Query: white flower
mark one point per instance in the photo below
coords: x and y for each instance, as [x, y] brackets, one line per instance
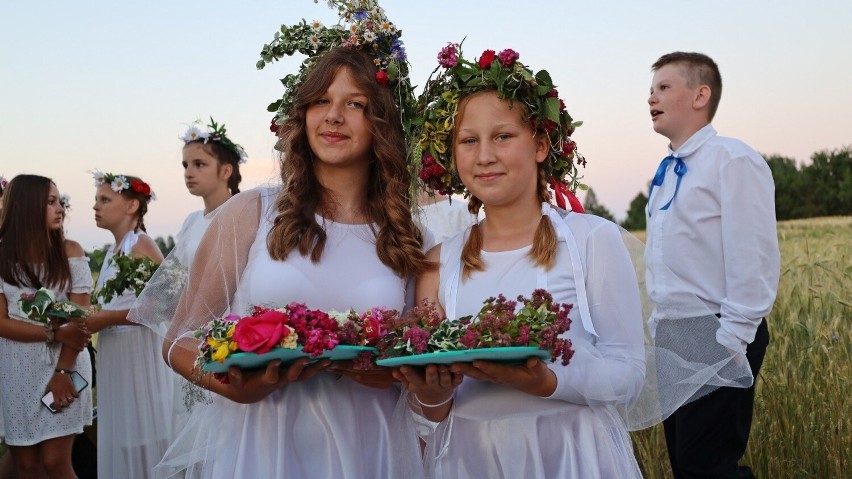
[153, 196]
[99, 177]
[119, 184]
[369, 36]
[195, 133]
[341, 318]
[65, 201]
[243, 156]
[316, 25]
[314, 41]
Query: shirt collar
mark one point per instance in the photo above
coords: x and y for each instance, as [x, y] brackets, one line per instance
[694, 142]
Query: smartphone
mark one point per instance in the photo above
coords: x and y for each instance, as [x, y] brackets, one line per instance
[80, 384]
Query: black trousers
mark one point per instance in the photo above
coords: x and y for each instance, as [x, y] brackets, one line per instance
[707, 437]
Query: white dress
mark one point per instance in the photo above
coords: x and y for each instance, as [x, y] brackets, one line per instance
[325, 426]
[26, 368]
[190, 235]
[445, 218]
[134, 393]
[498, 432]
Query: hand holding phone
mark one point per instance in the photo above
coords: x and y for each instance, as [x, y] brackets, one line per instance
[80, 384]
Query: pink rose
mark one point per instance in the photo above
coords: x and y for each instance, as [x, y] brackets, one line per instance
[261, 333]
[507, 57]
[486, 59]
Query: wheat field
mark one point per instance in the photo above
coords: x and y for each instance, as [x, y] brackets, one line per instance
[803, 408]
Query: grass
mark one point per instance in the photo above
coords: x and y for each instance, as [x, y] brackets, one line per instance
[803, 408]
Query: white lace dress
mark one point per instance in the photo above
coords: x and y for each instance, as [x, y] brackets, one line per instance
[325, 426]
[134, 393]
[498, 432]
[26, 368]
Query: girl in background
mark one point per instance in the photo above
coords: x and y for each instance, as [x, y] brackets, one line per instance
[211, 164]
[36, 358]
[134, 395]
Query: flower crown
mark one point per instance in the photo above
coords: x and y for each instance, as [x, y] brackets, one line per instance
[119, 183]
[513, 81]
[3, 183]
[213, 132]
[65, 201]
[363, 25]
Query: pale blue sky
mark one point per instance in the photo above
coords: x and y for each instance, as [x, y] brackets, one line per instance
[112, 85]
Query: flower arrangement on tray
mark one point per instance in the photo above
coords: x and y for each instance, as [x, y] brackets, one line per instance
[497, 332]
[133, 274]
[42, 306]
[289, 333]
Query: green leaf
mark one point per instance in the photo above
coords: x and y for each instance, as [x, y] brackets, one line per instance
[551, 109]
[274, 106]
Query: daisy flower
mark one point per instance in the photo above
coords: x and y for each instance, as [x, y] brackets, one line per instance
[119, 184]
[99, 177]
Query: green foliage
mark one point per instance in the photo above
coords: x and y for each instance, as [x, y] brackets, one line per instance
[822, 188]
[636, 219]
[804, 391]
[96, 258]
[133, 274]
[592, 206]
[166, 245]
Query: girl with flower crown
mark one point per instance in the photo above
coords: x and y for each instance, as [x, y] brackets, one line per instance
[336, 235]
[211, 170]
[507, 140]
[134, 407]
[36, 358]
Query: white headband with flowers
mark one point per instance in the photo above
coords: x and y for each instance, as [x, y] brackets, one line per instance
[213, 132]
[119, 183]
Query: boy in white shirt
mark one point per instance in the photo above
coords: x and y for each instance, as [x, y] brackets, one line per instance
[710, 234]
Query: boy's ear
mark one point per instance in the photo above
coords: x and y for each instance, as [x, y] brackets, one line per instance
[702, 97]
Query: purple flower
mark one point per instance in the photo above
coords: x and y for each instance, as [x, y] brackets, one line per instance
[449, 56]
[507, 57]
[360, 15]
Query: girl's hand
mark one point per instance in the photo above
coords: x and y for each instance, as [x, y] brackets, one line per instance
[64, 392]
[375, 377]
[433, 384]
[249, 387]
[532, 377]
[73, 334]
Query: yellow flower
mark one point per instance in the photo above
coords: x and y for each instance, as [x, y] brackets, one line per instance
[221, 349]
[289, 341]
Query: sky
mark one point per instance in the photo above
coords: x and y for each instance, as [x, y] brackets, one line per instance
[112, 85]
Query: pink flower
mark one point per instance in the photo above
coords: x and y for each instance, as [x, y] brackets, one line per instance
[449, 56]
[507, 57]
[486, 59]
[260, 334]
[382, 78]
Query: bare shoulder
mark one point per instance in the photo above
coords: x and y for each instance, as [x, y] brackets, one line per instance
[146, 247]
[73, 249]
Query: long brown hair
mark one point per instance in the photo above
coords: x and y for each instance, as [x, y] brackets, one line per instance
[31, 254]
[543, 251]
[398, 240]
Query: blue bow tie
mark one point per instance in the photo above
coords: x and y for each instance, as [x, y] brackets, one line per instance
[679, 170]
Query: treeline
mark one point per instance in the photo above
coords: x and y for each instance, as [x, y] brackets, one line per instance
[821, 188]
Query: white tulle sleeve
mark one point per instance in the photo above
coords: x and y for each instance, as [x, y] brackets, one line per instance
[610, 369]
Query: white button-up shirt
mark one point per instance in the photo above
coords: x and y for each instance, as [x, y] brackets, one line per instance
[717, 241]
